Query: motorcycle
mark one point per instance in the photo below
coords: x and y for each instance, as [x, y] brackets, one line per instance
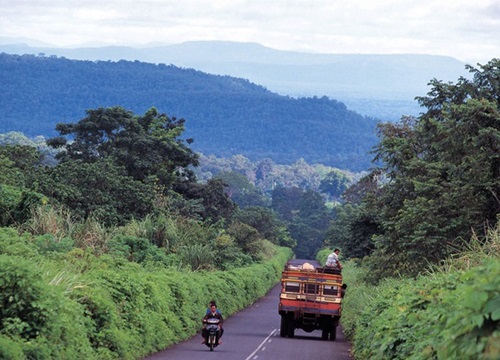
[212, 333]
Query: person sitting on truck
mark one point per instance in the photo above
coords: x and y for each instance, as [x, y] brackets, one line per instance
[333, 260]
[213, 313]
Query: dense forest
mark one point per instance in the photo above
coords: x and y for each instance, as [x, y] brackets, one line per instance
[121, 201]
[225, 116]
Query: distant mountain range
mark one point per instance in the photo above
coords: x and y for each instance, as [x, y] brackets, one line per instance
[224, 115]
[379, 86]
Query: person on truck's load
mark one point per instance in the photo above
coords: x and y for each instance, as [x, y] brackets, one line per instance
[213, 313]
[333, 260]
[343, 290]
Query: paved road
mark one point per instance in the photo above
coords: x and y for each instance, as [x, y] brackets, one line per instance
[253, 334]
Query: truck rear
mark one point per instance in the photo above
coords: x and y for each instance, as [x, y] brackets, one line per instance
[310, 299]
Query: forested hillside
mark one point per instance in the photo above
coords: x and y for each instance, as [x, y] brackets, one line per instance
[225, 116]
[380, 86]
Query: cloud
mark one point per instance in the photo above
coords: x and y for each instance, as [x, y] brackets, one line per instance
[458, 28]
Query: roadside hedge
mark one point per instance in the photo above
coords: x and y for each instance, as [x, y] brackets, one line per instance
[452, 315]
[74, 305]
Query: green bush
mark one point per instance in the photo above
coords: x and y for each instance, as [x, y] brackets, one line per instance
[136, 249]
[9, 349]
[10, 197]
[22, 294]
[78, 305]
[49, 244]
[358, 296]
[440, 316]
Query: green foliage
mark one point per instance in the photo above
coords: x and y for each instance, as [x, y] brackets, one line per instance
[197, 257]
[135, 249]
[9, 349]
[228, 255]
[147, 147]
[100, 190]
[352, 229]
[358, 297]
[444, 316]
[334, 184]
[48, 243]
[286, 201]
[267, 223]
[215, 203]
[434, 165]
[22, 291]
[265, 175]
[160, 230]
[449, 313]
[309, 224]
[246, 236]
[107, 308]
[241, 190]
[48, 220]
[10, 197]
[18, 164]
[17, 204]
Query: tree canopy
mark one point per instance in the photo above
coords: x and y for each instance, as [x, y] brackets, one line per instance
[441, 174]
[147, 146]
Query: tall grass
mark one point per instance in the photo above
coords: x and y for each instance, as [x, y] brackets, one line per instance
[92, 234]
[50, 220]
[474, 252]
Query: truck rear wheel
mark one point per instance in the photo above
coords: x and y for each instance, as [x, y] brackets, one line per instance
[333, 333]
[284, 326]
[324, 334]
[291, 327]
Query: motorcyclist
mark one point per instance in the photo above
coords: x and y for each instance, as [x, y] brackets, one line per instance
[212, 302]
[213, 313]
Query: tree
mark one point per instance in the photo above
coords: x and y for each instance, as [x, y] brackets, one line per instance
[18, 165]
[266, 222]
[334, 184]
[215, 204]
[147, 146]
[352, 230]
[443, 172]
[309, 225]
[285, 201]
[241, 190]
[100, 189]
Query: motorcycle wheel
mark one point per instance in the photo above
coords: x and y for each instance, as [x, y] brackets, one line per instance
[211, 341]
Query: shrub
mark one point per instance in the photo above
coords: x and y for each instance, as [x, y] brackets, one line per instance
[9, 349]
[22, 292]
[48, 244]
[443, 316]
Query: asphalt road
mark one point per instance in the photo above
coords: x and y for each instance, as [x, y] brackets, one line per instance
[253, 334]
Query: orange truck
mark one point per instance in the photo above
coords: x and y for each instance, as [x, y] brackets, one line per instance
[310, 298]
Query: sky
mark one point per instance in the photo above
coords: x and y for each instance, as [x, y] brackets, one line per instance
[468, 30]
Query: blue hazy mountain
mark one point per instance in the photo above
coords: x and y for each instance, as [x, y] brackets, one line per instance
[380, 86]
[224, 115]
